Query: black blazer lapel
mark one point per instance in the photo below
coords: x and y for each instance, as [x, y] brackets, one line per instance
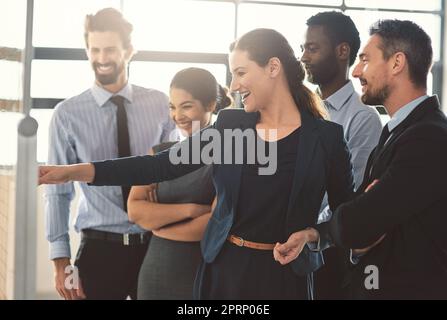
[306, 151]
[429, 104]
[236, 169]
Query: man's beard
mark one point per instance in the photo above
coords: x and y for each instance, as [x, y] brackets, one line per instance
[376, 98]
[324, 73]
[106, 79]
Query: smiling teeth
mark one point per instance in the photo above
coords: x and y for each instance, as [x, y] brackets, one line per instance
[244, 95]
[104, 68]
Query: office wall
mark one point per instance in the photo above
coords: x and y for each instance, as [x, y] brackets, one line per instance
[7, 203]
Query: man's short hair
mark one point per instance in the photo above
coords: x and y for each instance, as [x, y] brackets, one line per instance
[339, 28]
[407, 37]
[108, 19]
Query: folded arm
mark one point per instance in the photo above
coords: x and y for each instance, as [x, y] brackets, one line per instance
[153, 215]
[413, 181]
[191, 230]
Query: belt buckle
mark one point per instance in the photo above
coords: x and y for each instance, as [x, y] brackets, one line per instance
[242, 241]
[126, 239]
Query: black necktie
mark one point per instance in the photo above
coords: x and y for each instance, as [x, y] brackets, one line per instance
[383, 138]
[123, 138]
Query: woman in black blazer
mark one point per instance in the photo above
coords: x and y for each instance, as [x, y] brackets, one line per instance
[254, 212]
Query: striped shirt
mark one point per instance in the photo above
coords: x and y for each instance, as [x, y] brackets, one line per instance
[83, 129]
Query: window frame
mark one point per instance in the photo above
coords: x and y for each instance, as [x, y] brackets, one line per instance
[199, 57]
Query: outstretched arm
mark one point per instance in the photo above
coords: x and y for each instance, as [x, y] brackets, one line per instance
[140, 170]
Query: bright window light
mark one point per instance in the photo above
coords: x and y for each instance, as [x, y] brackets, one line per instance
[43, 117]
[290, 21]
[10, 80]
[60, 23]
[12, 23]
[8, 137]
[314, 2]
[158, 75]
[60, 78]
[387, 4]
[191, 26]
[429, 22]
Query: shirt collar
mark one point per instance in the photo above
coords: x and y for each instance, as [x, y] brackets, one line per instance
[338, 99]
[101, 95]
[404, 111]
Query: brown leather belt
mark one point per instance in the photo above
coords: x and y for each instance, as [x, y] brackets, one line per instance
[249, 244]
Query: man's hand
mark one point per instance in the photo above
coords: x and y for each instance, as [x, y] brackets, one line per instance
[61, 273]
[291, 249]
[360, 252]
[372, 184]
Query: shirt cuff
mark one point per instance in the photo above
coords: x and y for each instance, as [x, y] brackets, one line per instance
[354, 258]
[59, 249]
[325, 215]
[314, 246]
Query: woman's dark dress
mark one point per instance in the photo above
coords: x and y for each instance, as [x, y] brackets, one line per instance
[245, 273]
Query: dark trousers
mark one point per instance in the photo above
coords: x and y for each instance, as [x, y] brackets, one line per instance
[109, 270]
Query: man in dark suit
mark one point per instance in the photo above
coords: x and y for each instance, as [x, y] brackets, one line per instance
[395, 225]
[401, 219]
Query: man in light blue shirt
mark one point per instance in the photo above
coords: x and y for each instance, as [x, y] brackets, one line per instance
[98, 124]
[331, 45]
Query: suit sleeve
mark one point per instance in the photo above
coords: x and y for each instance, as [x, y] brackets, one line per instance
[363, 135]
[414, 180]
[340, 183]
[206, 147]
[175, 162]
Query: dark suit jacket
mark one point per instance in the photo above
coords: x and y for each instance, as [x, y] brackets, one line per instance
[322, 165]
[408, 205]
